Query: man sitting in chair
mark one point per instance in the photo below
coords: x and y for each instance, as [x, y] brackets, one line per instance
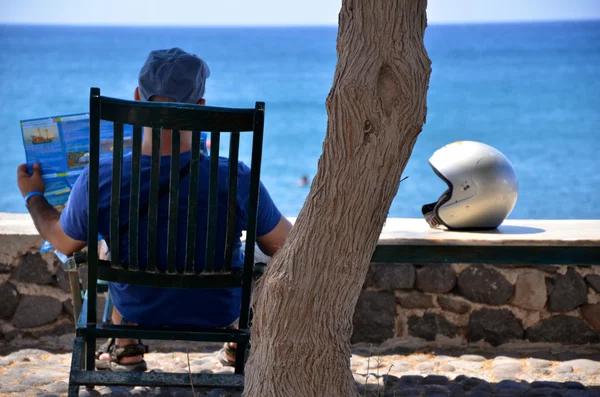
[167, 76]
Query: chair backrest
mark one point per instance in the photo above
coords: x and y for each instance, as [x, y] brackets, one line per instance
[176, 117]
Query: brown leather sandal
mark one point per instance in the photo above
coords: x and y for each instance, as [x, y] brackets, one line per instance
[116, 353]
[225, 353]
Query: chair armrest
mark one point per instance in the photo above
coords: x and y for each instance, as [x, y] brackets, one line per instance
[72, 262]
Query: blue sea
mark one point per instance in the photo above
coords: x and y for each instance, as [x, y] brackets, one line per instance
[530, 90]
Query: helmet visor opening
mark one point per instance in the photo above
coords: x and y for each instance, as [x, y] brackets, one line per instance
[430, 210]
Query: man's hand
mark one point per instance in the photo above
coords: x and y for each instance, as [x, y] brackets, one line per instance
[30, 183]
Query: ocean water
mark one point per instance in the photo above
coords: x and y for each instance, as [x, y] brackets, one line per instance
[530, 90]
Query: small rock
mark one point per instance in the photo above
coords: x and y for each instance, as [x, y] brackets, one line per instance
[430, 325]
[470, 383]
[537, 363]
[530, 291]
[594, 281]
[34, 311]
[507, 370]
[34, 270]
[415, 300]
[583, 364]
[62, 278]
[9, 296]
[563, 369]
[14, 388]
[466, 365]
[472, 357]
[483, 387]
[453, 305]
[514, 387]
[425, 367]
[494, 326]
[562, 329]
[374, 317]
[58, 387]
[573, 385]
[400, 365]
[447, 368]
[569, 292]
[545, 384]
[391, 276]
[592, 314]
[413, 380]
[439, 279]
[484, 285]
[435, 380]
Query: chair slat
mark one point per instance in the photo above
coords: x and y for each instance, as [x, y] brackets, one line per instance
[257, 142]
[115, 203]
[173, 204]
[234, 145]
[153, 201]
[134, 206]
[190, 251]
[213, 194]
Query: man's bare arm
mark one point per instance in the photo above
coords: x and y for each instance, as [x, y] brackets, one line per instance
[47, 222]
[272, 241]
[45, 217]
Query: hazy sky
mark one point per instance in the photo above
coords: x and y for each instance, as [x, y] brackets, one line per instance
[274, 12]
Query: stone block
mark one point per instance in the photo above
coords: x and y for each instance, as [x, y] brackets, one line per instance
[9, 299]
[34, 311]
[562, 329]
[415, 301]
[391, 276]
[34, 269]
[530, 291]
[374, 317]
[431, 325]
[569, 292]
[494, 326]
[439, 279]
[62, 279]
[594, 281]
[484, 285]
[454, 305]
[592, 314]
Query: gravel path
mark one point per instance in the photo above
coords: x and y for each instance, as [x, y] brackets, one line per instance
[397, 371]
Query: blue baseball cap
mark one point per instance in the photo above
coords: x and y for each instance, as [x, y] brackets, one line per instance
[175, 74]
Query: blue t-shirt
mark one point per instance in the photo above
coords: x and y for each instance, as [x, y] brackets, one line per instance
[164, 306]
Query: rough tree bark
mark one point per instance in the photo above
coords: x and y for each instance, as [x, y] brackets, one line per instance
[304, 303]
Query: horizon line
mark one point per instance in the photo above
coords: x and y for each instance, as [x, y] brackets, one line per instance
[293, 25]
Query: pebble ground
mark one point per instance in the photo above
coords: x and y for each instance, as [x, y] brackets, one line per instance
[399, 371]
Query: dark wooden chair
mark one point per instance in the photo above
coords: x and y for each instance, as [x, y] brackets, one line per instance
[178, 117]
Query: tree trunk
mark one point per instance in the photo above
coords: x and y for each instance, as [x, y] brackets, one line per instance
[304, 303]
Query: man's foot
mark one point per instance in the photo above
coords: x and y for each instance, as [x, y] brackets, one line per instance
[122, 355]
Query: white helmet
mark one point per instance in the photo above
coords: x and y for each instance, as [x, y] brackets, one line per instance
[482, 187]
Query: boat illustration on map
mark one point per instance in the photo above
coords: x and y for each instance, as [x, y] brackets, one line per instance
[39, 138]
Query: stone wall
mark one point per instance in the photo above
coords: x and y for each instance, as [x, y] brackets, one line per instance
[457, 303]
[464, 303]
[34, 290]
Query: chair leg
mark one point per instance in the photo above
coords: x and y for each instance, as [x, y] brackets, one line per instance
[90, 353]
[77, 363]
[240, 357]
[73, 391]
